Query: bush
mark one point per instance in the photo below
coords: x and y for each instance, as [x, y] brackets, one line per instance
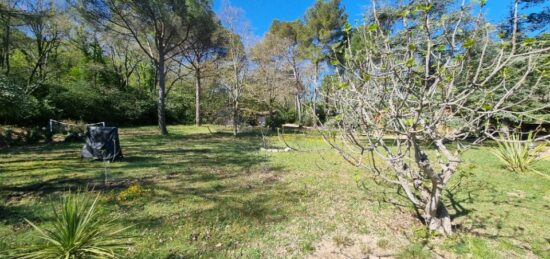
[16, 103]
[518, 156]
[78, 231]
[281, 117]
[310, 120]
[36, 134]
[23, 136]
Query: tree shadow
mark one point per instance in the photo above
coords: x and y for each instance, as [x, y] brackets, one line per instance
[178, 160]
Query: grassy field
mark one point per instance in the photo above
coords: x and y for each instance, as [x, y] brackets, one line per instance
[209, 195]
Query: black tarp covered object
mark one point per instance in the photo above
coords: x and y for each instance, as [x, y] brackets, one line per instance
[102, 143]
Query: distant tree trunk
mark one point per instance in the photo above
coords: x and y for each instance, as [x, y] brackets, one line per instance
[7, 35]
[197, 97]
[235, 117]
[315, 86]
[162, 95]
[271, 117]
[327, 101]
[299, 108]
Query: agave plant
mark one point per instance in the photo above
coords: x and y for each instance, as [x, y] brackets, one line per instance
[78, 231]
[518, 155]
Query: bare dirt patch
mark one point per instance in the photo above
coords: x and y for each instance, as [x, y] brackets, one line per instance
[352, 245]
[357, 246]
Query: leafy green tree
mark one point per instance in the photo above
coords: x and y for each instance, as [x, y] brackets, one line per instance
[46, 26]
[325, 23]
[8, 15]
[160, 28]
[205, 46]
[290, 38]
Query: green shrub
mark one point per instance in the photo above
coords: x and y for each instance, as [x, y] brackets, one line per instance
[518, 156]
[6, 138]
[281, 117]
[36, 134]
[78, 231]
[23, 136]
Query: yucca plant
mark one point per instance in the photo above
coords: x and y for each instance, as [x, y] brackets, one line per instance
[78, 231]
[517, 155]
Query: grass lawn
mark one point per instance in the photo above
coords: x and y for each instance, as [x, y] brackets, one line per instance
[201, 194]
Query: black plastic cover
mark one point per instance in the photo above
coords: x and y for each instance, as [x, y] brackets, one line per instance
[102, 143]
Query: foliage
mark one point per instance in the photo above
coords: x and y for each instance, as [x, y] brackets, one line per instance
[78, 231]
[14, 136]
[16, 103]
[518, 155]
[281, 117]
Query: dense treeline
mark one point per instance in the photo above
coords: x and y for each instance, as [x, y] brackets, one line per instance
[144, 62]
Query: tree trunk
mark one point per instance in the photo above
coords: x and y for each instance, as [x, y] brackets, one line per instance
[271, 117]
[315, 86]
[327, 105]
[197, 98]
[235, 118]
[299, 109]
[437, 217]
[162, 97]
[7, 44]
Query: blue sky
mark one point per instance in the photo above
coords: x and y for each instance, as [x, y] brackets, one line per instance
[260, 13]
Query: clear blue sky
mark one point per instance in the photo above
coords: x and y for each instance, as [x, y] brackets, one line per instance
[260, 13]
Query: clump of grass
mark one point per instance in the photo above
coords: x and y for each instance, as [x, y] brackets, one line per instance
[342, 241]
[416, 251]
[518, 156]
[383, 243]
[474, 247]
[78, 231]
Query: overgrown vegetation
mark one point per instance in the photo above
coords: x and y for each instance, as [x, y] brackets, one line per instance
[78, 231]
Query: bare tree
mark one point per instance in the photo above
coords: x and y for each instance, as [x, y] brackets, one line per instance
[46, 25]
[124, 59]
[271, 77]
[437, 79]
[237, 32]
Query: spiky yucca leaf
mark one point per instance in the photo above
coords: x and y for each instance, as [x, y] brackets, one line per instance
[518, 155]
[78, 231]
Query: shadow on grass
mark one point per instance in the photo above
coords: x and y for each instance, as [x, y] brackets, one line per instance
[14, 215]
[212, 163]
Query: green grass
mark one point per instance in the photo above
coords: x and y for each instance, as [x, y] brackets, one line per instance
[198, 194]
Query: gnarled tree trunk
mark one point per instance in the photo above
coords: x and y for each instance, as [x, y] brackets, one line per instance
[436, 216]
